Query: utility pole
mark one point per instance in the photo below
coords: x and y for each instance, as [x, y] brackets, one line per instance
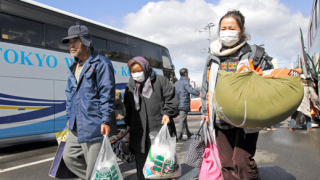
[207, 28]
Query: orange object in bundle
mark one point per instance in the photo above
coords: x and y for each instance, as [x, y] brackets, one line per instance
[272, 72]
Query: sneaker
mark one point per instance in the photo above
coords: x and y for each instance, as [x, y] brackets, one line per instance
[314, 125]
[290, 129]
[184, 137]
[310, 129]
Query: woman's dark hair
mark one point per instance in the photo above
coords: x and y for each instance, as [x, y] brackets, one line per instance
[237, 16]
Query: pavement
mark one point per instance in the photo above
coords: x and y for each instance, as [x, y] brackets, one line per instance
[281, 155]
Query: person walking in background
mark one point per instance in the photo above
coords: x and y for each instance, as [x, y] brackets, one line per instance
[150, 101]
[306, 105]
[237, 146]
[184, 89]
[90, 102]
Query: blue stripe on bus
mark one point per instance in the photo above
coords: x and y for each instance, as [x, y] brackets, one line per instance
[19, 103]
[121, 85]
[27, 130]
[28, 99]
[33, 114]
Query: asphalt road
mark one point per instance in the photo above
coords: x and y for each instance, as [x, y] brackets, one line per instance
[281, 155]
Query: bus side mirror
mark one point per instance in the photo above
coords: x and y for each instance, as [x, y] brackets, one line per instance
[172, 66]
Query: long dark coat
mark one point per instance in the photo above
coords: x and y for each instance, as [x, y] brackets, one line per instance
[148, 118]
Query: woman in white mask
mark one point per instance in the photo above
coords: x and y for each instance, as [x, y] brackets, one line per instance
[236, 146]
[150, 101]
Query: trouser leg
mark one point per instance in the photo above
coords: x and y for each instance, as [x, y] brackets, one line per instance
[91, 151]
[81, 158]
[293, 119]
[140, 159]
[183, 126]
[225, 142]
[308, 122]
[244, 152]
[73, 156]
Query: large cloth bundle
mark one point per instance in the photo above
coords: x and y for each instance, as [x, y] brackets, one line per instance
[248, 100]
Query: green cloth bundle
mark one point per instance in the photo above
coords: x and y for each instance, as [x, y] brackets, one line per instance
[248, 100]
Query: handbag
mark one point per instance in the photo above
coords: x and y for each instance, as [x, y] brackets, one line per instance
[193, 156]
[211, 165]
[120, 146]
[58, 168]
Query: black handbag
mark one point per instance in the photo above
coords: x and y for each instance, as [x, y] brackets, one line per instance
[193, 156]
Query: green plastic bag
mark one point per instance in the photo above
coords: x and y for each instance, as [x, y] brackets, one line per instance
[248, 100]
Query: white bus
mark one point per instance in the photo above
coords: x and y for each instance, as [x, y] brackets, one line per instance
[34, 64]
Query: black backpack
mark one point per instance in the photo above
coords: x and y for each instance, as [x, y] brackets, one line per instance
[262, 59]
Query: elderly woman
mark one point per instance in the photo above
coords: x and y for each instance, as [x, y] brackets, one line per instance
[150, 101]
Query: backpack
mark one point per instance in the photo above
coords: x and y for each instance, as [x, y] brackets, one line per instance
[261, 58]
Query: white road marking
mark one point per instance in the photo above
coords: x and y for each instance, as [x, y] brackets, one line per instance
[25, 165]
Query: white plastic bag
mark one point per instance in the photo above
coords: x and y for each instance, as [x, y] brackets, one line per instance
[106, 167]
[162, 161]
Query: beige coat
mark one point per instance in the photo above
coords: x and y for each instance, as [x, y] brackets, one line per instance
[309, 93]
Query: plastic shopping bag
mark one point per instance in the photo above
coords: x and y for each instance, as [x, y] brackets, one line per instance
[162, 161]
[106, 167]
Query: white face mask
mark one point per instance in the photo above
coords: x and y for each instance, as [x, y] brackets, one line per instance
[229, 37]
[138, 76]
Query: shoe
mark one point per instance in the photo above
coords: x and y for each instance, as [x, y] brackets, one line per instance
[184, 137]
[310, 129]
[190, 135]
[290, 129]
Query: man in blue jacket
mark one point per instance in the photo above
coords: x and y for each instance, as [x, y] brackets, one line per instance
[184, 89]
[90, 102]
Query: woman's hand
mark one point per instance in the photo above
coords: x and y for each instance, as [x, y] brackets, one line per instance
[204, 117]
[165, 119]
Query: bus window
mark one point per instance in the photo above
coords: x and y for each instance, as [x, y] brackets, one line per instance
[53, 36]
[100, 45]
[118, 51]
[21, 30]
[166, 59]
[148, 51]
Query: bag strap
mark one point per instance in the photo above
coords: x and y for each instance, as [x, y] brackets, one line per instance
[201, 127]
[258, 56]
[205, 134]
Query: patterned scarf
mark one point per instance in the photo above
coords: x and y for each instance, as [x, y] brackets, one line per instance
[147, 87]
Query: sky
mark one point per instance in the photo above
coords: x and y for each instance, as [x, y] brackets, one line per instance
[177, 24]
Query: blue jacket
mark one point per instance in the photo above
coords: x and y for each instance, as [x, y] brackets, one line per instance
[184, 89]
[91, 101]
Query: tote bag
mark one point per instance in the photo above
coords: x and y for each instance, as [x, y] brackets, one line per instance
[211, 165]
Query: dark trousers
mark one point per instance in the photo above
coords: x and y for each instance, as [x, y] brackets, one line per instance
[236, 151]
[140, 159]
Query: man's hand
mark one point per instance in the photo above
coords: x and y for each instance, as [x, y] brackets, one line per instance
[165, 119]
[204, 117]
[68, 123]
[105, 129]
